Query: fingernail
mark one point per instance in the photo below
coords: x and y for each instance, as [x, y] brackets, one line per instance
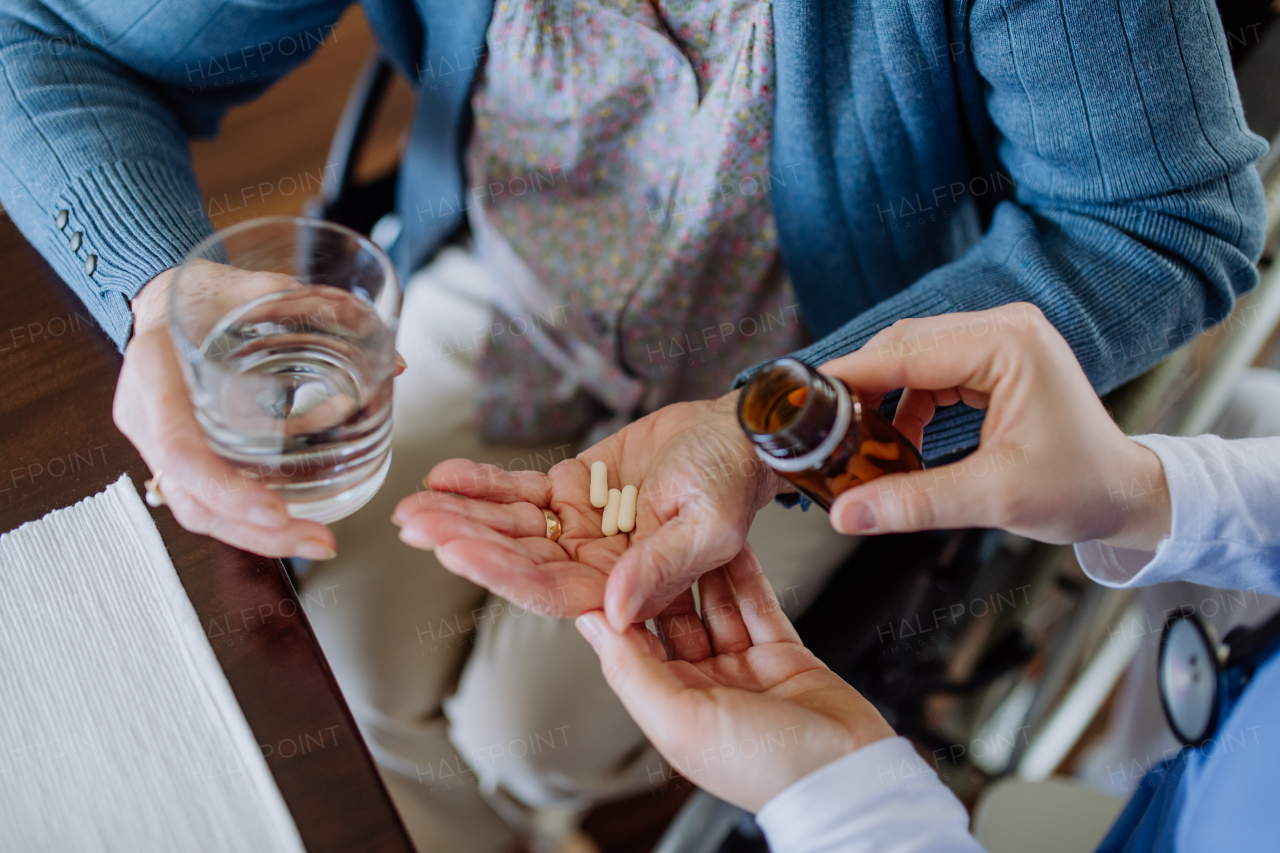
[401, 364]
[857, 518]
[397, 522]
[588, 628]
[426, 484]
[314, 549]
[268, 516]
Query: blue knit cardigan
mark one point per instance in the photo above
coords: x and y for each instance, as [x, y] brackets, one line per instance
[1088, 156]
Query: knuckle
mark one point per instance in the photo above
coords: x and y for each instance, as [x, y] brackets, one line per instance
[917, 511]
[124, 414]
[613, 672]
[1031, 311]
[189, 514]
[225, 530]
[122, 418]
[216, 526]
[1026, 319]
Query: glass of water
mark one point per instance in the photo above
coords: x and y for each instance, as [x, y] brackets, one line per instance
[285, 328]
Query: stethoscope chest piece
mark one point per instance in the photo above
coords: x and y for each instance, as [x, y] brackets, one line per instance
[1201, 678]
[1191, 676]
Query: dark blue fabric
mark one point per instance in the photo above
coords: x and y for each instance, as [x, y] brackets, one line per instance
[1232, 782]
[1149, 822]
[928, 155]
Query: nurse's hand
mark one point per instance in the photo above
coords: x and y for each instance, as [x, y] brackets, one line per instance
[205, 493]
[700, 487]
[1051, 465]
[718, 703]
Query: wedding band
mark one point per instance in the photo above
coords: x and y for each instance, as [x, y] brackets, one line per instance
[553, 525]
[154, 498]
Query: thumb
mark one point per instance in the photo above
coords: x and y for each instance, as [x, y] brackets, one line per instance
[949, 497]
[633, 670]
[653, 571]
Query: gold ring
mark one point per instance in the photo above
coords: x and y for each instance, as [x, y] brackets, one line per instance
[553, 525]
[154, 498]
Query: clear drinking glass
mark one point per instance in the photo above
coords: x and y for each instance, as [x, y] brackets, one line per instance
[285, 328]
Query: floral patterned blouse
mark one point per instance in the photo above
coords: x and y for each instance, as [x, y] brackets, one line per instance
[624, 147]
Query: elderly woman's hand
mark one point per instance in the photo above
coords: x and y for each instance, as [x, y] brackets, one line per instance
[700, 487]
[206, 493]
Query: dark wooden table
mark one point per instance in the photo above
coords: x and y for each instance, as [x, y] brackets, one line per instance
[58, 445]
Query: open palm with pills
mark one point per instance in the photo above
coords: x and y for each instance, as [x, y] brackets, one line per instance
[699, 487]
[488, 525]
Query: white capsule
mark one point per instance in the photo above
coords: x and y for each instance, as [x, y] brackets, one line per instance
[599, 484]
[627, 509]
[609, 523]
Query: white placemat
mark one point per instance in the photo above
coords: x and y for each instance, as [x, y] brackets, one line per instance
[118, 729]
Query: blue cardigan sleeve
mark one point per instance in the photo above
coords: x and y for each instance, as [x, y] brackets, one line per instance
[97, 102]
[1138, 215]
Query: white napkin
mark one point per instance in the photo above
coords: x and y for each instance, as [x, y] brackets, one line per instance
[118, 729]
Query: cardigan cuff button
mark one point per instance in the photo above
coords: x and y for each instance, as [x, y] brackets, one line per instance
[61, 219]
[90, 264]
[76, 239]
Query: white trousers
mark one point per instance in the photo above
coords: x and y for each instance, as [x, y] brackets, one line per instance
[480, 715]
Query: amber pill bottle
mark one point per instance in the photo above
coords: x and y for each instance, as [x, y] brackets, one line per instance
[813, 430]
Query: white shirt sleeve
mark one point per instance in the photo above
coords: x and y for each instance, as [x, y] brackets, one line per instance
[1225, 531]
[883, 798]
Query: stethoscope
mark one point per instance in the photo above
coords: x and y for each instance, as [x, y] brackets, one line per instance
[1200, 677]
